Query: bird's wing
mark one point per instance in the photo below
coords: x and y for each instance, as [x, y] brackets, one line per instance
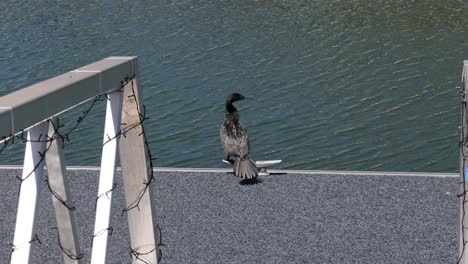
[244, 144]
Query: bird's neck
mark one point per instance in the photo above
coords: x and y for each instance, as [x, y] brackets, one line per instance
[231, 115]
[230, 107]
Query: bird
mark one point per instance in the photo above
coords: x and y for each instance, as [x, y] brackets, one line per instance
[235, 140]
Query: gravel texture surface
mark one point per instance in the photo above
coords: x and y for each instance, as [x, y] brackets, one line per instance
[213, 217]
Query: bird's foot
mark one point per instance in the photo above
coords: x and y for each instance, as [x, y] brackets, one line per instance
[229, 159]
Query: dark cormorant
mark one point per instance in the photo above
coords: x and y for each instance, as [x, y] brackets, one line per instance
[236, 141]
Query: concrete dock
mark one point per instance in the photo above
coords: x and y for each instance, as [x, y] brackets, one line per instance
[208, 216]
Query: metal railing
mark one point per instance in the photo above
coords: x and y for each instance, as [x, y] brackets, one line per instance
[463, 226]
[33, 111]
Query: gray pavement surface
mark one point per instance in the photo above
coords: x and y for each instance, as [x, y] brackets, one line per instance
[209, 217]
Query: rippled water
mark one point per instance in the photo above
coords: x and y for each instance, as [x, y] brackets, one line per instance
[346, 85]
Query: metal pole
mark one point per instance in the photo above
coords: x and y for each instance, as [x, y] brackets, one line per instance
[58, 183]
[106, 179]
[463, 226]
[137, 172]
[33, 170]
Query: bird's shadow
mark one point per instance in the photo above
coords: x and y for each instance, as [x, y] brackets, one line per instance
[250, 181]
[277, 173]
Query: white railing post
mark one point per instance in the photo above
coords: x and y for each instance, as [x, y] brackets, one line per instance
[58, 183]
[137, 177]
[463, 222]
[33, 170]
[106, 178]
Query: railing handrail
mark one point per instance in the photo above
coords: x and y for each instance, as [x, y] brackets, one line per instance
[29, 106]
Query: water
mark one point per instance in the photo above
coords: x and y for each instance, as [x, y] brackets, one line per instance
[342, 85]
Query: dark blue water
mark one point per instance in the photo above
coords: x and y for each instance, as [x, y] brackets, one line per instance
[344, 85]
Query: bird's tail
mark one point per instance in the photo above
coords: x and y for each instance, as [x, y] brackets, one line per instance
[245, 168]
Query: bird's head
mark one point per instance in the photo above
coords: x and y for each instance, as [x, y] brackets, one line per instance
[235, 97]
